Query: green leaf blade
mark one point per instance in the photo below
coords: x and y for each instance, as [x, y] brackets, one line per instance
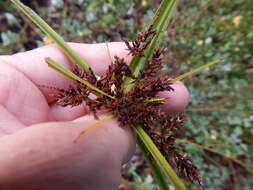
[51, 34]
[196, 70]
[159, 158]
[159, 23]
[57, 67]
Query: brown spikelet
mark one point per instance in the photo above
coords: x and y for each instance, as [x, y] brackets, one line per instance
[141, 42]
[154, 66]
[186, 169]
[87, 75]
[73, 96]
[114, 77]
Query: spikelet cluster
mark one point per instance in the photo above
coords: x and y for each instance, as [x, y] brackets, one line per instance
[141, 105]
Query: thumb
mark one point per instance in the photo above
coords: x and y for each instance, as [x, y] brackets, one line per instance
[44, 156]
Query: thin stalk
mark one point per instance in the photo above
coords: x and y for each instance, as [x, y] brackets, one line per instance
[138, 186]
[51, 34]
[161, 182]
[196, 70]
[235, 160]
[159, 22]
[74, 77]
[159, 158]
[94, 125]
[161, 19]
[156, 100]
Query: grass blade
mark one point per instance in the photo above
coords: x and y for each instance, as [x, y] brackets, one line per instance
[154, 167]
[196, 70]
[94, 125]
[67, 73]
[159, 23]
[36, 19]
[160, 160]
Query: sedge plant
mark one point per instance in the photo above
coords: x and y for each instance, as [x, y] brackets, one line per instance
[136, 82]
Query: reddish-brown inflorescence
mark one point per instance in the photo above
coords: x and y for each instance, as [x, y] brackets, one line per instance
[141, 105]
[141, 42]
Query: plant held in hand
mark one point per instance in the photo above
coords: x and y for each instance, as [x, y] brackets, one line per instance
[130, 93]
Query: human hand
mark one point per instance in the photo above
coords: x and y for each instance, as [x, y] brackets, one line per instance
[36, 138]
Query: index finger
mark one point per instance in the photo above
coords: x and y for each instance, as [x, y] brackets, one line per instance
[33, 65]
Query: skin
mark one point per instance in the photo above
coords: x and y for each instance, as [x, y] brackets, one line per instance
[36, 137]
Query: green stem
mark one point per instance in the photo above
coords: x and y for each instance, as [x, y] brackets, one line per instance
[196, 70]
[162, 17]
[159, 158]
[57, 67]
[138, 186]
[161, 182]
[160, 20]
[51, 34]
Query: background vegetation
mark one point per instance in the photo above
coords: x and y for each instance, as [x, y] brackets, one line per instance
[219, 131]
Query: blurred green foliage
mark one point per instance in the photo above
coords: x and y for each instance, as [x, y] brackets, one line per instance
[219, 132]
